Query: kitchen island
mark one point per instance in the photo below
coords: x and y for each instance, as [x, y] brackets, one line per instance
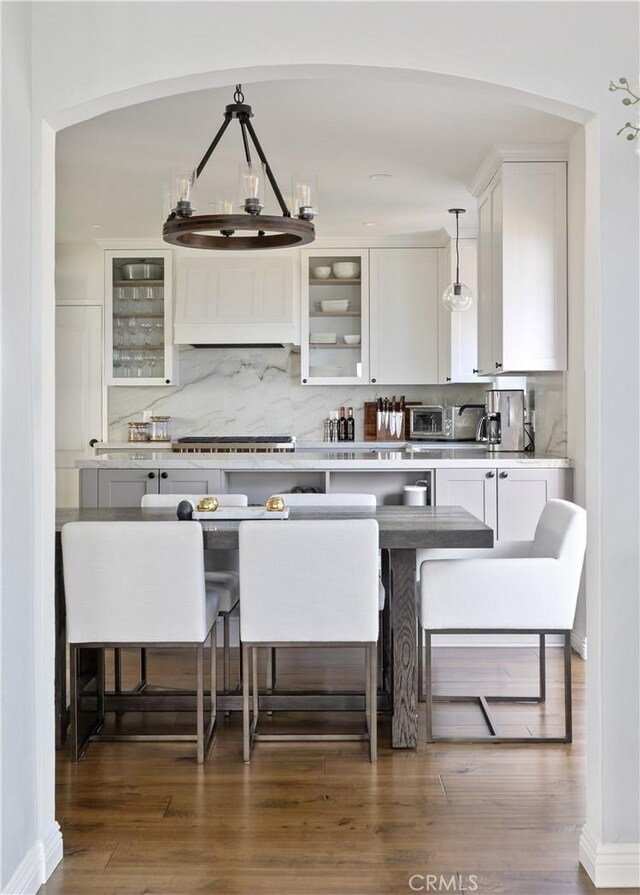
[504, 490]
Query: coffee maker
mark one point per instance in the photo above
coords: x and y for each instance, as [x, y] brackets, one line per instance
[502, 426]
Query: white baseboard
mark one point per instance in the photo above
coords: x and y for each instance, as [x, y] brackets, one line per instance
[37, 865]
[579, 644]
[610, 865]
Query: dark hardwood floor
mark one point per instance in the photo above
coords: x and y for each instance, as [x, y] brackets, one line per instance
[318, 817]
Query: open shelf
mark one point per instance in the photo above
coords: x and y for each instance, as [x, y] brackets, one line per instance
[335, 314]
[138, 282]
[333, 346]
[335, 281]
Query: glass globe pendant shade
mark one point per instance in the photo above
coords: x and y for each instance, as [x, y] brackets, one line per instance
[457, 297]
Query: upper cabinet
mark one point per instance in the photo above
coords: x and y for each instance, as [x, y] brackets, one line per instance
[522, 269]
[404, 296]
[239, 298]
[458, 330]
[371, 315]
[335, 316]
[138, 317]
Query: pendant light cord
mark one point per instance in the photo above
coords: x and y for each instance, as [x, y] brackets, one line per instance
[457, 249]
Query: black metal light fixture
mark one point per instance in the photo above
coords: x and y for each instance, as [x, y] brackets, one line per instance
[217, 231]
[457, 296]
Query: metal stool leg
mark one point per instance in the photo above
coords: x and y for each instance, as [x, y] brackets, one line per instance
[226, 676]
[543, 668]
[568, 716]
[246, 726]
[200, 703]
[428, 685]
[373, 702]
[420, 663]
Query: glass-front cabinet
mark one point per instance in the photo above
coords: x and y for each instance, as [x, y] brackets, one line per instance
[138, 318]
[335, 317]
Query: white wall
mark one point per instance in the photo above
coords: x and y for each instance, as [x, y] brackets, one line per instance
[30, 842]
[87, 59]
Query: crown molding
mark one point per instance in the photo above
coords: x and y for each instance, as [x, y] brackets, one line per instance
[514, 152]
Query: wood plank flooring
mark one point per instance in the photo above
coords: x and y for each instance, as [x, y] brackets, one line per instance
[318, 817]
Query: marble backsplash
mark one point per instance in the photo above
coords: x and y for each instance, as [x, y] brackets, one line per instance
[257, 391]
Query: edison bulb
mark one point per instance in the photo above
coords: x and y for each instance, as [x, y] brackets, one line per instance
[457, 297]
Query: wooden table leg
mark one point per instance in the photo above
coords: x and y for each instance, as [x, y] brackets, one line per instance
[404, 719]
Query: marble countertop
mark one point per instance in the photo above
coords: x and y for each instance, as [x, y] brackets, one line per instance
[369, 459]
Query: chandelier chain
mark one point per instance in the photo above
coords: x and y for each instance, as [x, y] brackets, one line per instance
[238, 96]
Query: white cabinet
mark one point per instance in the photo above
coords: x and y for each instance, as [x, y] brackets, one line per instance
[458, 330]
[335, 317]
[138, 318]
[509, 500]
[238, 298]
[522, 494]
[473, 489]
[126, 487]
[522, 269]
[392, 305]
[79, 393]
[403, 315]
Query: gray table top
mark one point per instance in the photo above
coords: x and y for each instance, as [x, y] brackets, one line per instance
[400, 527]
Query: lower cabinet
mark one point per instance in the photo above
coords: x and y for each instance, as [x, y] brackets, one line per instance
[509, 500]
[126, 487]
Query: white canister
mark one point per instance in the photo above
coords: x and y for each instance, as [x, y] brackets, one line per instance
[415, 495]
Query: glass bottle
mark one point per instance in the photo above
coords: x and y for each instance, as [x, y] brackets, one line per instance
[351, 425]
[342, 426]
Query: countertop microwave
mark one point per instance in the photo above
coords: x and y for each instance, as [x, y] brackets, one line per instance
[445, 422]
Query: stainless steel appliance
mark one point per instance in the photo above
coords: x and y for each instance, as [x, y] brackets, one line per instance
[445, 422]
[232, 444]
[501, 428]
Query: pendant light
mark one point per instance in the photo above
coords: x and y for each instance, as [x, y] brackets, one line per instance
[218, 231]
[457, 296]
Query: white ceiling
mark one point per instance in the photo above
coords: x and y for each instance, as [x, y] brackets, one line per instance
[114, 170]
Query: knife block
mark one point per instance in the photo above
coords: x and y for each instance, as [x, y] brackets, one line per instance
[370, 431]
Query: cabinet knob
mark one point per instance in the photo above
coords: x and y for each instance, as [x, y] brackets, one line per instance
[164, 475]
[304, 380]
[168, 381]
[504, 475]
[93, 442]
[498, 366]
[491, 475]
[475, 371]
[374, 380]
[448, 379]
[151, 475]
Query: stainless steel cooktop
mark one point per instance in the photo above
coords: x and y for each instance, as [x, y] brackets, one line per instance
[232, 444]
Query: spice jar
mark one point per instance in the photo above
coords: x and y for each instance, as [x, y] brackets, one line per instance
[138, 432]
[160, 428]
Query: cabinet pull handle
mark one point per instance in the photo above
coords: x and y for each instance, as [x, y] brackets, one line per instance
[504, 475]
[164, 475]
[490, 475]
[475, 371]
[151, 475]
[498, 366]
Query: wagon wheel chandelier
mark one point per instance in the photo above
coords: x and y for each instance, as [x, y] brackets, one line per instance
[218, 231]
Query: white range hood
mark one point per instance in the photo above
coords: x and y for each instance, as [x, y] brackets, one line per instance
[237, 298]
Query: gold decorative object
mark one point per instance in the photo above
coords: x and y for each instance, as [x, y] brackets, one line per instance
[275, 504]
[208, 505]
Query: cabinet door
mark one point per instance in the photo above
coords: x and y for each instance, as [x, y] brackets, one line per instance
[125, 487]
[473, 489]
[335, 317]
[190, 481]
[138, 321]
[522, 494]
[485, 288]
[458, 331]
[403, 309]
[78, 393]
[238, 298]
[534, 266]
